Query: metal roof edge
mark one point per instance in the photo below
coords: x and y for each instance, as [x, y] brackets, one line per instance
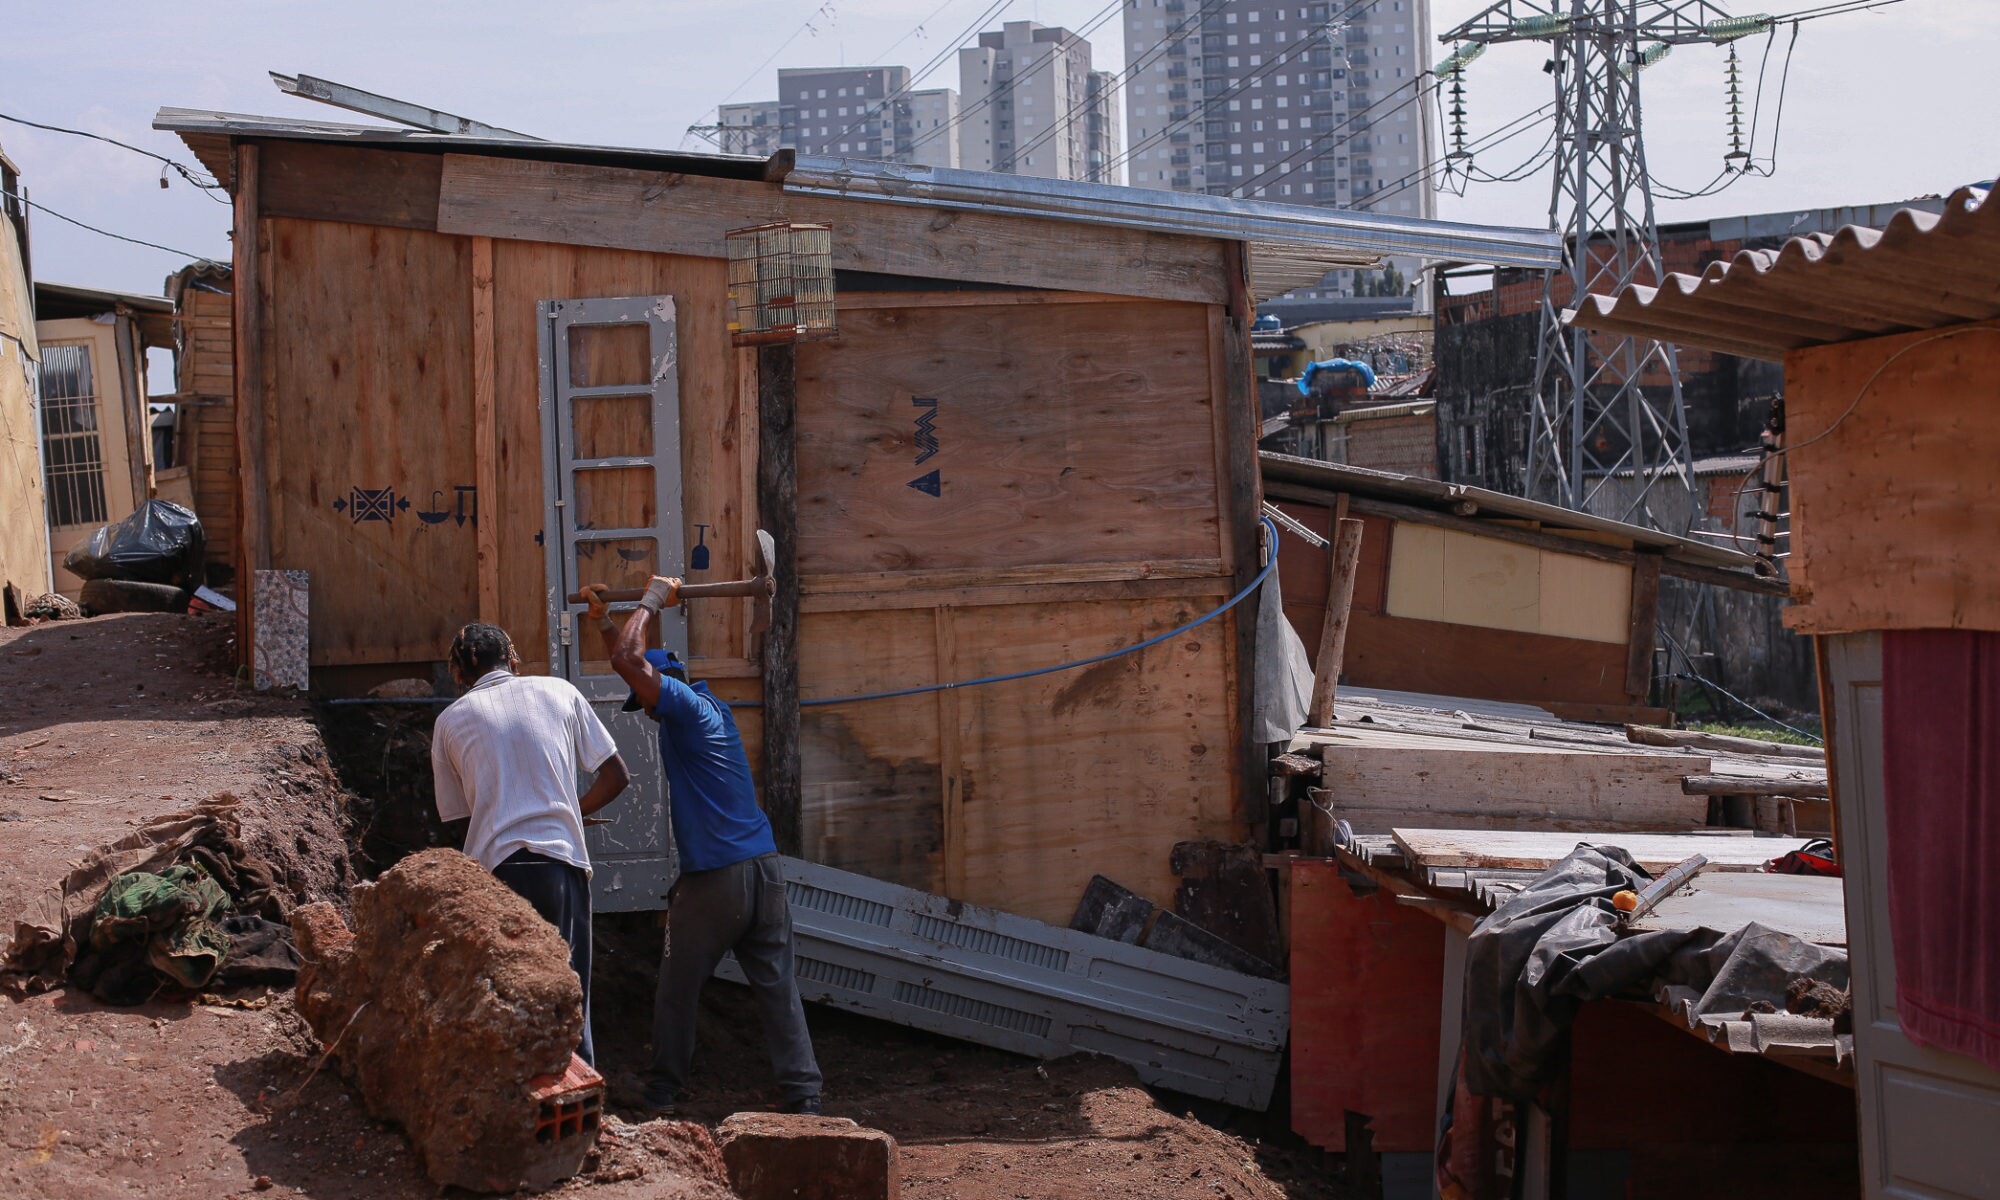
[1192, 213]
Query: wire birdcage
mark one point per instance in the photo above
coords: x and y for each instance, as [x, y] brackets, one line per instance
[780, 284]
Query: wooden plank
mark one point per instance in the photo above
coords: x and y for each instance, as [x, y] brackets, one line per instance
[1333, 629]
[873, 791]
[1644, 627]
[253, 505]
[982, 297]
[485, 426]
[1023, 422]
[1650, 736]
[1050, 795]
[1040, 573]
[684, 214]
[371, 434]
[1533, 851]
[951, 761]
[1747, 785]
[1242, 511]
[1418, 773]
[1490, 664]
[1607, 714]
[778, 506]
[132, 400]
[1367, 994]
[972, 597]
[319, 182]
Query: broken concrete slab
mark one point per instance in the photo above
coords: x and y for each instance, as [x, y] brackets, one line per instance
[447, 1005]
[775, 1156]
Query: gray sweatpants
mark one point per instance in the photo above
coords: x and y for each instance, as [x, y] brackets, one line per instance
[741, 907]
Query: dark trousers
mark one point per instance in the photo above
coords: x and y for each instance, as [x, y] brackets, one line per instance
[741, 907]
[561, 893]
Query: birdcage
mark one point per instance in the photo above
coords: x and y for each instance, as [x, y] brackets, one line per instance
[780, 284]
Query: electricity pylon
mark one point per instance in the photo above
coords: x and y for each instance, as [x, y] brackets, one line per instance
[1605, 404]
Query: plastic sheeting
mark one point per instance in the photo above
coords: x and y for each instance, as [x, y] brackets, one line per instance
[1534, 961]
[1284, 677]
[161, 542]
[1366, 372]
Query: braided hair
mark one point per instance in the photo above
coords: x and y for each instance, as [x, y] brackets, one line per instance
[479, 648]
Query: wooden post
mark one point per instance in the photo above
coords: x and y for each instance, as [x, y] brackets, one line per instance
[1243, 502]
[253, 500]
[1346, 558]
[1645, 622]
[778, 502]
[485, 430]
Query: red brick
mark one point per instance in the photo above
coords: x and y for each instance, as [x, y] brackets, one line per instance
[772, 1156]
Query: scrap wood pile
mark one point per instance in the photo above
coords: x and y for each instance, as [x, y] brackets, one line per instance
[176, 908]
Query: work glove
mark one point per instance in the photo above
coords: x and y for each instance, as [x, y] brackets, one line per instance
[593, 595]
[663, 591]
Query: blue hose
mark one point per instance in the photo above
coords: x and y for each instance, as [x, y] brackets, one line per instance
[1155, 640]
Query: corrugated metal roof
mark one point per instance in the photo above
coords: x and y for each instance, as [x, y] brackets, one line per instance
[1290, 245]
[1919, 271]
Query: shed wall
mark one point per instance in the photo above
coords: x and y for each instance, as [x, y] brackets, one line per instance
[1078, 509]
[24, 531]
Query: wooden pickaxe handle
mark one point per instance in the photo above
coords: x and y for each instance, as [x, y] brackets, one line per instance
[760, 586]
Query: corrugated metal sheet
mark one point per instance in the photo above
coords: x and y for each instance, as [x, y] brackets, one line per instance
[1919, 271]
[1290, 245]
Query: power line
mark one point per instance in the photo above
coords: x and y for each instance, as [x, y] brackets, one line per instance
[206, 185]
[965, 113]
[1281, 166]
[930, 66]
[107, 233]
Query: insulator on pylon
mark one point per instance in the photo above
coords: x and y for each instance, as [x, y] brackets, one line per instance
[1738, 157]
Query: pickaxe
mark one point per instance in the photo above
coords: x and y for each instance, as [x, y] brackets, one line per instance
[761, 586]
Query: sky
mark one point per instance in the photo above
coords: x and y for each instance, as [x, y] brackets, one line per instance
[1879, 106]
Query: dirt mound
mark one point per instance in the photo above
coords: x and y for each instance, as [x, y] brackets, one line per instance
[448, 997]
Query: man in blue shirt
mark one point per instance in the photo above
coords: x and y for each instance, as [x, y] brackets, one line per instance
[731, 893]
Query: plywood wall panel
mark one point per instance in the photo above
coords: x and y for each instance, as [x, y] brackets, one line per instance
[371, 431]
[1101, 769]
[1008, 436]
[713, 424]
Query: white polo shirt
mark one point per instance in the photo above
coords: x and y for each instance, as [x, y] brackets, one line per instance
[507, 754]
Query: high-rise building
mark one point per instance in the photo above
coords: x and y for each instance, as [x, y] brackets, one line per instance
[861, 112]
[1031, 105]
[1317, 103]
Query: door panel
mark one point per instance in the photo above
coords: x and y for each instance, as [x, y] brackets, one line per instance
[612, 487]
[1927, 1116]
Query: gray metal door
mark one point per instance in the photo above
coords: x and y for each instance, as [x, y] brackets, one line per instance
[1928, 1117]
[612, 485]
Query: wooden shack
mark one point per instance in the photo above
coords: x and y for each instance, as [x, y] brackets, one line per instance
[476, 373]
[1890, 340]
[205, 403]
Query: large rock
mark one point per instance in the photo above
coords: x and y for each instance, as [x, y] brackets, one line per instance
[773, 1156]
[446, 999]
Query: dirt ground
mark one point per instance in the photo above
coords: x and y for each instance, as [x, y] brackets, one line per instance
[110, 722]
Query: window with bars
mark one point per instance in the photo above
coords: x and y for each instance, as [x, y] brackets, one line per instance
[72, 460]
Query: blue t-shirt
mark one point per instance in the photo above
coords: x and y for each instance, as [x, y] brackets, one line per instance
[714, 804]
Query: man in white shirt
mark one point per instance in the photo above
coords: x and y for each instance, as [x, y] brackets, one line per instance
[506, 755]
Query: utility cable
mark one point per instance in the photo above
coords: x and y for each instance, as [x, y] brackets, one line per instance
[966, 112]
[207, 185]
[927, 70]
[107, 233]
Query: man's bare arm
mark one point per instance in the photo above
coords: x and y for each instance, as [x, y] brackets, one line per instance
[612, 778]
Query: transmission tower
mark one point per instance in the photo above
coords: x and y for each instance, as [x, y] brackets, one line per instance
[1603, 405]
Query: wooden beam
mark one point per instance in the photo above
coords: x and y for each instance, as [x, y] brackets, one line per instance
[1742, 581]
[1346, 563]
[253, 499]
[1534, 851]
[657, 211]
[485, 430]
[778, 503]
[1249, 794]
[1644, 627]
[132, 396]
[1745, 785]
[1646, 735]
[319, 182]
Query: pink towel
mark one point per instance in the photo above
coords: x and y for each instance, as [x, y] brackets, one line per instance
[1941, 762]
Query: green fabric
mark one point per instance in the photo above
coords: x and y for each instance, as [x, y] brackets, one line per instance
[170, 918]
